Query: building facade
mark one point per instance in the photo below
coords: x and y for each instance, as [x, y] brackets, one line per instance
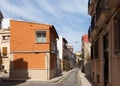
[5, 45]
[5, 50]
[65, 55]
[1, 17]
[33, 49]
[79, 59]
[86, 55]
[71, 55]
[105, 39]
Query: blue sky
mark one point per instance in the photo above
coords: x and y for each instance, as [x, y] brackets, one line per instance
[70, 17]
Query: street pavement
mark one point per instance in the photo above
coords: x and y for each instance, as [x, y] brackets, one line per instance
[71, 78]
[85, 80]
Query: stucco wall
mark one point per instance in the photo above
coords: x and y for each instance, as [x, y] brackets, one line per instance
[33, 74]
[23, 36]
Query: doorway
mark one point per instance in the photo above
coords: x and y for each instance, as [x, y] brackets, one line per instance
[106, 59]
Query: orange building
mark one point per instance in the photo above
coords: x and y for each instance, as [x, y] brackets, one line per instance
[33, 50]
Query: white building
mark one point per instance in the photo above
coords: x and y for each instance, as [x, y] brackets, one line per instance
[65, 55]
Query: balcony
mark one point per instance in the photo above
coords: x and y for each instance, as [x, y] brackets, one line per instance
[89, 32]
[92, 27]
[90, 7]
[114, 3]
[102, 7]
[99, 19]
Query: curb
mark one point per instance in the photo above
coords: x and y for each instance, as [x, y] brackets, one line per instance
[79, 78]
[64, 76]
[84, 81]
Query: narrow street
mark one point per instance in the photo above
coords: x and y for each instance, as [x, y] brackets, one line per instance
[70, 80]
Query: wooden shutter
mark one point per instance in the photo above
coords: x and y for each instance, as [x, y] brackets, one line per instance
[4, 51]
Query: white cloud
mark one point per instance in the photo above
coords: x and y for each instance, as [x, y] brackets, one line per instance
[69, 16]
[74, 6]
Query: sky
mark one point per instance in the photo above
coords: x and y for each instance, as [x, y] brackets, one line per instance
[70, 17]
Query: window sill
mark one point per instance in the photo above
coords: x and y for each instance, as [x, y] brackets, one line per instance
[4, 56]
[42, 42]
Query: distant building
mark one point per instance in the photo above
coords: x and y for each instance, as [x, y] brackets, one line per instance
[86, 54]
[70, 48]
[86, 48]
[79, 59]
[65, 55]
[33, 49]
[71, 55]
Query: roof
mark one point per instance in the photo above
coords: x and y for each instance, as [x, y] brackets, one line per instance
[85, 38]
[51, 26]
[65, 40]
[54, 30]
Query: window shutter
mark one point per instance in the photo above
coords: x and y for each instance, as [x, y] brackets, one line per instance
[96, 49]
[117, 33]
[4, 51]
[92, 51]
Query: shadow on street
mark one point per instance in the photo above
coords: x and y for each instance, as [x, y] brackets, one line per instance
[10, 82]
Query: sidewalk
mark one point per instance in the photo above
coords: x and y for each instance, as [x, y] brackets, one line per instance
[85, 80]
[63, 75]
[5, 76]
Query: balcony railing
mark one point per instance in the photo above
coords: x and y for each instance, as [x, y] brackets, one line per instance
[102, 5]
[92, 26]
[90, 7]
[89, 31]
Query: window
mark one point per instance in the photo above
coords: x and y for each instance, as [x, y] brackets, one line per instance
[98, 78]
[96, 49]
[53, 48]
[92, 51]
[117, 33]
[102, 4]
[5, 38]
[40, 36]
[4, 51]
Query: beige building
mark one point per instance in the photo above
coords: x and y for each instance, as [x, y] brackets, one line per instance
[79, 59]
[86, 55]
[5, 49]
[104, 34]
